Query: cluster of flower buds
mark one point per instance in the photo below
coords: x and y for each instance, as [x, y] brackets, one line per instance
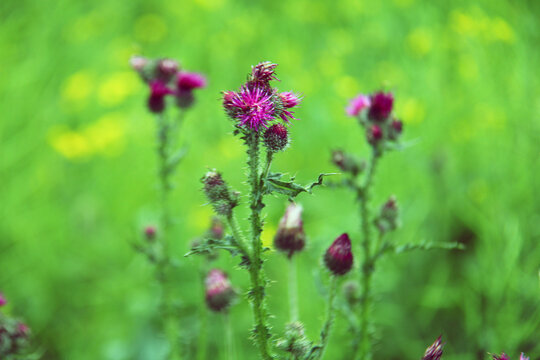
[388, 218]
[219, 291]
[295, 341]
[218, 193]
[435, 351]
[375, 114]
[258, 105]
[339, 258]
[164, 77]
[503, 356]
[290, 236]
[13, 334]
[348, 163]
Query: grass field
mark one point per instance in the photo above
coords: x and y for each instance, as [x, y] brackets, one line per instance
[77, 166]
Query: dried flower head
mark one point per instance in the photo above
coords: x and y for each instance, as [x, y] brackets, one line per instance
[219, 292]
[339, 258]
[381, 106]
[276, 138]
[358, 104]
[290, 236]
[435, 351]
[166, 69]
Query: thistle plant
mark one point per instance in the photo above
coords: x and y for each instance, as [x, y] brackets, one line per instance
[382, 131]
[14, 336]
[169, 87]
[259, 114]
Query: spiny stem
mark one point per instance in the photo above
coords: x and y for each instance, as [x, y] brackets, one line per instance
[258, 282]
[293, 290]
[237, 234]
[330, 314]
[367, 263]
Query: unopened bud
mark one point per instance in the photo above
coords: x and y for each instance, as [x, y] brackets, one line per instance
[276, 138]
[166, 69]
[396, 128]
[295, 341]
[290, 236]
[185, 98]
[150, 232]
[374, 134]
[347, 163]
[339, 258]
[289, 99]
[381, 106]
[222, 199]
[22, 330]
[388, 218]
[138, 63]
[219, 292]
[434, 352]
[263, 72]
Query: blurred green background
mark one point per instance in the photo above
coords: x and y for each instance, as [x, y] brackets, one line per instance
[77, 165]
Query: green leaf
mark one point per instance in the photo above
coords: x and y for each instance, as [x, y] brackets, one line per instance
[273, 183]
[209, 245]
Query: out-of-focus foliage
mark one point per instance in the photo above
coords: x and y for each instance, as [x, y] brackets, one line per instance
[77, 166]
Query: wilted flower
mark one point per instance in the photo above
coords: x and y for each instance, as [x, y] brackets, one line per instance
[276, 138]
[435, 351]
[3, 300]
[358, 104]
[339, 258]
[381, 106]
[290, 236]
[219, 292]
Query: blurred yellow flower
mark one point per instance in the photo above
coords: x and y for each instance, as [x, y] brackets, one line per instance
[78, 87]
[481, 26]
[116, 87]
[411, 110]
[105, 136]
[150, 28]
[346, 87]
[420, 41]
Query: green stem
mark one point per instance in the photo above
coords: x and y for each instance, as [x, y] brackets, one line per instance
[258, 281]
[293, 290]
[237, 235]
[229, 340]
[203, 315]
[330, 315]
[367, 264]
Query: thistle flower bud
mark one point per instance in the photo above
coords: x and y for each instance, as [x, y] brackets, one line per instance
[358, 104]
[150, 233]
[374, 134]
[347, 163]
[290, 236]
[190, 81]
[295, 340]
[184, 98]
[158, 91]
[503, 356]
[387, 219]
[381, 106]
[3, 300]
[166, 69]
[22, 330]
[276, 138]
[339, 258]
[222, 199]
[289, 100]
[219, 292]
[395, 129]
[263, 73]
[138, 63]
[434, 352]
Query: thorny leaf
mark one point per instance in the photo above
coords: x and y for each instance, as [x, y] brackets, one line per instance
[210, 244]
[273, 183]
[426, 245]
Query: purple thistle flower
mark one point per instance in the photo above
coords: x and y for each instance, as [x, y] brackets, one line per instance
[503, 356]
[219, 291]
[523, 357]
[381, 106]
[263, 73]
[3, 300]
[290, 236]
[434, 352]
[251, 106]
[339, 258]
[158, 90]
[289, 99]
[190, 80]
[358, 104]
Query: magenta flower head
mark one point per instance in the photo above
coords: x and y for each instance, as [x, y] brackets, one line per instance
[435, 351]
[219, 292]
[251, 106]
[503, 356]
[290, 236]
[158, 91]
[188, 81]
[150, 232]
[358, 104]
[289, 100]
[381, 106]
[276, 138]
[3, 300]
[339, 258]
[263, 73]
[395, 129]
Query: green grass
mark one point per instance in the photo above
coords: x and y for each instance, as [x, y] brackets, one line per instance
[77, 165]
